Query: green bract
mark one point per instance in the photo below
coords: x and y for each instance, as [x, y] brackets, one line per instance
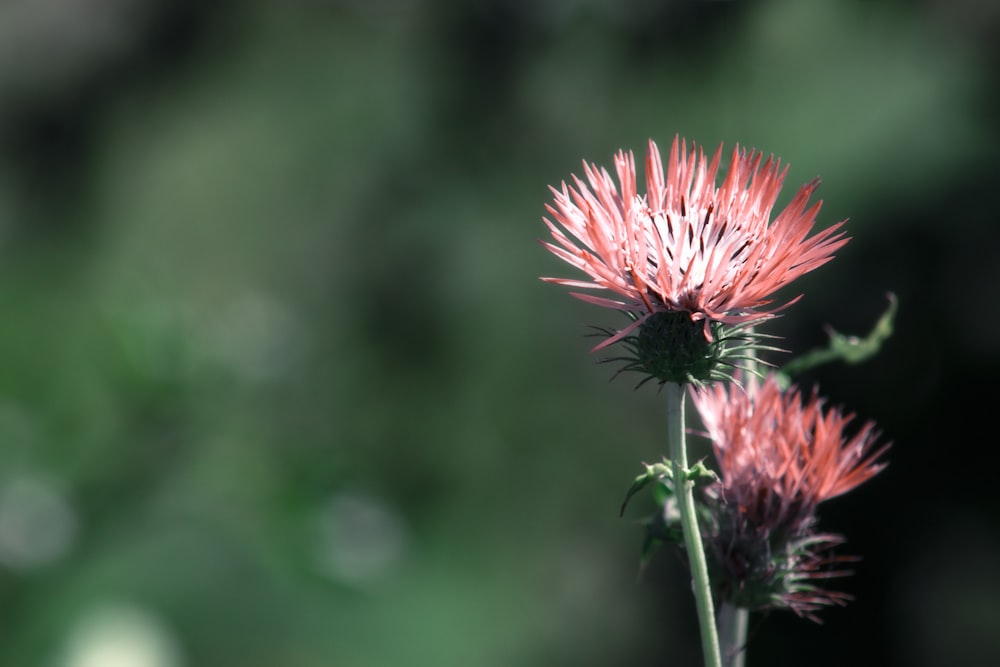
[670, 347]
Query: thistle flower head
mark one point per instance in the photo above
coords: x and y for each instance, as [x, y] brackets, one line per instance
[779, 454]
[713, 253]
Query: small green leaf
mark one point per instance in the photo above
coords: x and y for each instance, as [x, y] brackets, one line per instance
[640, 482]
[659, 530]
[850, 349]
[662, 493]
[700, 475]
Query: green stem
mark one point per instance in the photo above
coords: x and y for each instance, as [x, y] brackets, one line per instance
[733, 622]
[684, 490]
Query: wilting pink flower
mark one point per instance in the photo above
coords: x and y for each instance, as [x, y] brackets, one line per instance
[687, 245]
[779, 454]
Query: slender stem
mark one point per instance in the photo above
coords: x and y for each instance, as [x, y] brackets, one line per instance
[684, 490]
[733, 622]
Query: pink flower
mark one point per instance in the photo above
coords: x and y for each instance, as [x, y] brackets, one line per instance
[687, 245]
[779, 455]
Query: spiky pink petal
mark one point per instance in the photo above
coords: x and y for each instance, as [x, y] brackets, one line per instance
[780, 454]
[687, 245]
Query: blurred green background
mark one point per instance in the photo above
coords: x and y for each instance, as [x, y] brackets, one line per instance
[279, 385]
